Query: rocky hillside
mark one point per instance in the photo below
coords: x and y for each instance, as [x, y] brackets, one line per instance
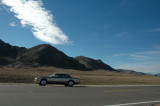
[93, 64]
[9, 53]
[45, 55]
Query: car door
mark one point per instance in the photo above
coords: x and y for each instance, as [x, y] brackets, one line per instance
[53, 79]
[57, 79]
[64, 79]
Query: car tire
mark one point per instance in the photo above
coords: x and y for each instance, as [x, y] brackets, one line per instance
[70, 83]
[43, 82]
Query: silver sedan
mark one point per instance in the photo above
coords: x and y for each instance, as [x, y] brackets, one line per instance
[65, 79]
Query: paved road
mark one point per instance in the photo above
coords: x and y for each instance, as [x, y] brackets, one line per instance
[35, 95]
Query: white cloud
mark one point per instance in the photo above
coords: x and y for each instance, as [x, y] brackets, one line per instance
[157, 52]
[154, 30]
[147, 61]
[157, 47]
[141, 67]
[143, 56]
[32, 13]
[13, 24]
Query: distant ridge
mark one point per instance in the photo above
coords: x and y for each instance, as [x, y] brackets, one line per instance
[93, 64]
[45, 55]
[130, 71]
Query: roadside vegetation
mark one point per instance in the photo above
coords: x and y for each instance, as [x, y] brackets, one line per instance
[98, 77]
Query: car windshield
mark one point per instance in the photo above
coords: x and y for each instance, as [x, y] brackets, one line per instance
[53, 75]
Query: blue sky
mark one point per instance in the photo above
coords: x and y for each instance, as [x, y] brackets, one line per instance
[122, 33]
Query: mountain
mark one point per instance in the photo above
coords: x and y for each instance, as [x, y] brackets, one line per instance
[8, 50]
[93, 64]
[9, 53]
[130, 71]
[45, 55]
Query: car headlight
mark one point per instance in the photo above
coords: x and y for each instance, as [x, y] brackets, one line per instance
[37, 78]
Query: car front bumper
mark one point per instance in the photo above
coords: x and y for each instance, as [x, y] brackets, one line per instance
[37, 81]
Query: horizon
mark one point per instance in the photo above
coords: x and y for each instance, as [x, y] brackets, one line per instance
[122, 33]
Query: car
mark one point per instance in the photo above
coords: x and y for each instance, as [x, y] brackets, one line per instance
[57, 78]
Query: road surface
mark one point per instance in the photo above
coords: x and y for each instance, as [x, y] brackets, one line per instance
[35, 95]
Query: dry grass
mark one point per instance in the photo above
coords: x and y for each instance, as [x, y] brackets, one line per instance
[100, 77]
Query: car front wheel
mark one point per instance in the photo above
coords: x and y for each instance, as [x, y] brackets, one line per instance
[43, 82]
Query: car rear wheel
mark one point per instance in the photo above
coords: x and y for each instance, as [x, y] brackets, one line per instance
[43, 82]
[70, 83]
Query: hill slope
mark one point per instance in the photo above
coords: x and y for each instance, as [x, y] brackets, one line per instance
[8, 53]
[93, 64]
[45, 55]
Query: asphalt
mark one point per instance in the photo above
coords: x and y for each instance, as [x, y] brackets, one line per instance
[35, 95]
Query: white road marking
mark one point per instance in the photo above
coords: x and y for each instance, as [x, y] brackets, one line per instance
[137, 103]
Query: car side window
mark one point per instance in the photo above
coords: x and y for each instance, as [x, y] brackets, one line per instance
[63, 76]
[60, 76]
[55, 76]
[67, 76]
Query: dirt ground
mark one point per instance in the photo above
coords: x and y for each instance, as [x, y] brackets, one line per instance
[97, 77]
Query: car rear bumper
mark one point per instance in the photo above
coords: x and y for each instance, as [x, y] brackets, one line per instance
[77, 82]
